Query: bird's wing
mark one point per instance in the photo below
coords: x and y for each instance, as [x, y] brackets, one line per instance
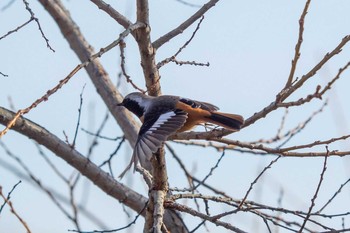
[198, 104]
[154, 132]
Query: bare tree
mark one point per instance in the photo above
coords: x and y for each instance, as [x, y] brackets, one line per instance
[163, 205]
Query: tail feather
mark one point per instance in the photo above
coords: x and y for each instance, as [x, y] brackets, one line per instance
[229, 121]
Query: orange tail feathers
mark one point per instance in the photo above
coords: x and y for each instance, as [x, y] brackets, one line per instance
[228, 121]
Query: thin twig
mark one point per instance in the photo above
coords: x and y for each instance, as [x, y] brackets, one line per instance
[256, 180]
[329, 85]
[16, 29]
[198, 226]
[173, 58]
[5, 75]
[210, 172]
[13, 211]
[298, 45]
[101, 136]
[293, 132]
[118, 229]
[39, 26]
[332, 198]
[51, 164]
[9, 195]
[195, 213]
[285, 93]
[186, 3]
[111, 156]
[122, 46]
[36, 180]
[260, 149]
[79, 115]
[316, 192]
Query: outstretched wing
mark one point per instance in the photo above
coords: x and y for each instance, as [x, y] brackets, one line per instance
[154, 132]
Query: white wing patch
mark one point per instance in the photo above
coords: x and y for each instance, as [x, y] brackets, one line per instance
[153, 138]
[161, 120]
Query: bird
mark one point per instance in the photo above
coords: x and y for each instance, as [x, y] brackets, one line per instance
[166, 115]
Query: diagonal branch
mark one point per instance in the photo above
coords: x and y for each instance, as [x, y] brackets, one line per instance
[182, 27]
[284, 94]
[100, 178]
[121, 19]
[186, 209]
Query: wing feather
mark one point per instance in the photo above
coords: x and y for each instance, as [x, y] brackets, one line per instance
[153, 133]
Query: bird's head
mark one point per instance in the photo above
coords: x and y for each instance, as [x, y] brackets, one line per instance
[136, 102]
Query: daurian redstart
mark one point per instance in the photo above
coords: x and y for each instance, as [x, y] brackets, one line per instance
[165, 115]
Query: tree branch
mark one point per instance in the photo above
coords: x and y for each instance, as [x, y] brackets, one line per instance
[147, 52]
[182, 27]
[298, 45]
[100, 178]
[121, 19]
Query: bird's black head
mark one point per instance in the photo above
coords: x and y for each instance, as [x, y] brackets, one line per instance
[134, 103]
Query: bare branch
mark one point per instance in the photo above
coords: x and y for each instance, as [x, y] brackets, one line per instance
[100, 178]
[122, 46]
[332, 198]
[329, 85]
[8, 195]
[182, 27]
[287, 92]
[38, 182]
[5, 75]
[316, 192]
[256, 180]
[186, 209]
[293, 132]
[298, 45]
[50, 192]
[121, 19]
[16, 29]
[173, 58]
[211, 171]
[118, 229]
[188, 3]
[192, 63]
[13, 211]
[287, 152]
[109, 160]
[79, 115]
[39, 26]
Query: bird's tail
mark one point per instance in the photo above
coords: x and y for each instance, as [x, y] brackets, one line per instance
[228, 121]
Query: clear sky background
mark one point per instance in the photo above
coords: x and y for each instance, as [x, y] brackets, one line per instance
[249, 45]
